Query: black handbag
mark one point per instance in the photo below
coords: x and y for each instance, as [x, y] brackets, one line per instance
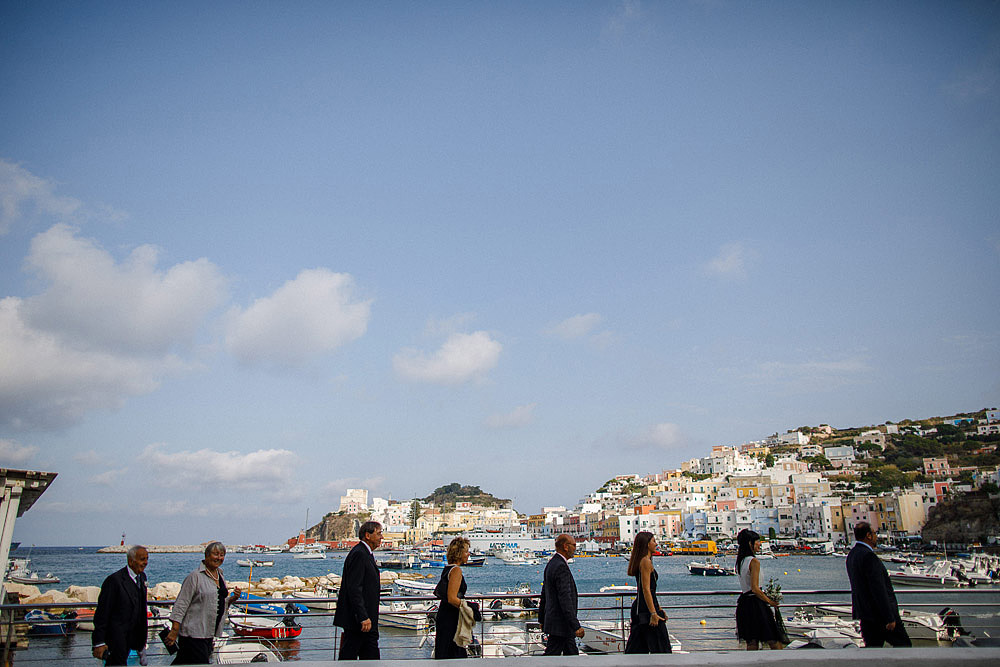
[171, 648]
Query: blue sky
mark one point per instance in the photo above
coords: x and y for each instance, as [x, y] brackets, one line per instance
[253, 254]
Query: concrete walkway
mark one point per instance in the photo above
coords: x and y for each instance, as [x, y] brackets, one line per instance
[884, 657]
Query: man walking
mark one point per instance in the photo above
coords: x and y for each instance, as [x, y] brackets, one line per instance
[120, 618]
[873, 601]
[557, 608]
[357, 600]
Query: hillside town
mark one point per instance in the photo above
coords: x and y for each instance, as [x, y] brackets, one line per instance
[810, 484]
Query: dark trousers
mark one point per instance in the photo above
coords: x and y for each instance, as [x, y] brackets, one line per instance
[875, 635]
[119, 657]
[193, 651]
[558, 645]
[357, 645]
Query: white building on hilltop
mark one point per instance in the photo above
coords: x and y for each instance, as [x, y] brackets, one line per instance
[355, 501]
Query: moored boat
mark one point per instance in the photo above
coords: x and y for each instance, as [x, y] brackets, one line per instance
[709, 568]
[266, 628]
[406, 615]
[936, 575]
[233, 652]
[609, 637]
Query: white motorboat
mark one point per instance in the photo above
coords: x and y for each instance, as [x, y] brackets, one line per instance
[510, 557]
[246, 562]
[935, 575]
[406, 615]
[318, 598]
[235, 652]
[312, 553]
[810, 625]
[919, 624]
[499, 608]
[509, 641]
[624, 589]
[416, 586]
[19, 571]
[611, 636]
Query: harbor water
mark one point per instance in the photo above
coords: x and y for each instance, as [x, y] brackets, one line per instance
[700, 622]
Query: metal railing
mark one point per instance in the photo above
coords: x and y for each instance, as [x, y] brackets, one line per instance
[699, 620]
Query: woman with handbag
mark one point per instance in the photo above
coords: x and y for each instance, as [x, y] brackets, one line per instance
[450, 591]
[649, 624]
[754, 617]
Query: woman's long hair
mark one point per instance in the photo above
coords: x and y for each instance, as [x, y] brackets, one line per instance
[745, 540]
[640, 547]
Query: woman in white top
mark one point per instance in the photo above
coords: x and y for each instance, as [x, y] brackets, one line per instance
[754, 617]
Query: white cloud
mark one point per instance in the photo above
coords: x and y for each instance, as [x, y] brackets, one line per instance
[661, 436]
[108, 477]
[174, 507]
[268, 470]
[78, 506]
[46, 383]
[463, 357]
[577, 326]
[20, 190]
[126, 307]
[311, 315]
[814, 374]
[14, 454]
[88, 458]
[519, 416]
[627, 15]
[733, 261]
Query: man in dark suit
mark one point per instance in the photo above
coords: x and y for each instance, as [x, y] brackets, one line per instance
[357, 599]
[557, 608]
[120, 619]
[873, 601]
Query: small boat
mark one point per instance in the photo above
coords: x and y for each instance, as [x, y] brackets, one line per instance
[936, 575]
[266, 628]
[475, 561]
[312, 553]
[255, 604]
[609, 637]
[20, 573]
[406, 615]
[402, 562]
[234, 652]
[415, 586]
[318, 598]
[518, 557]
[919, 625]
[85, 619]
[709, 568]
[499, 608]
[810, 625]
[46, 624]
[619, 588]
[246, 562]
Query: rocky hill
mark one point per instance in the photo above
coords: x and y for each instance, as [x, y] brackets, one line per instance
[970, 518]
[449, 494]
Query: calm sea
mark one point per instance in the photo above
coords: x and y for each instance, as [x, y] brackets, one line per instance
[83, 566]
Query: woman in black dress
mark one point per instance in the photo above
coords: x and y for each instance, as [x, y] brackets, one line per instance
[649, 629]
[451, 591]
[754, 619]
